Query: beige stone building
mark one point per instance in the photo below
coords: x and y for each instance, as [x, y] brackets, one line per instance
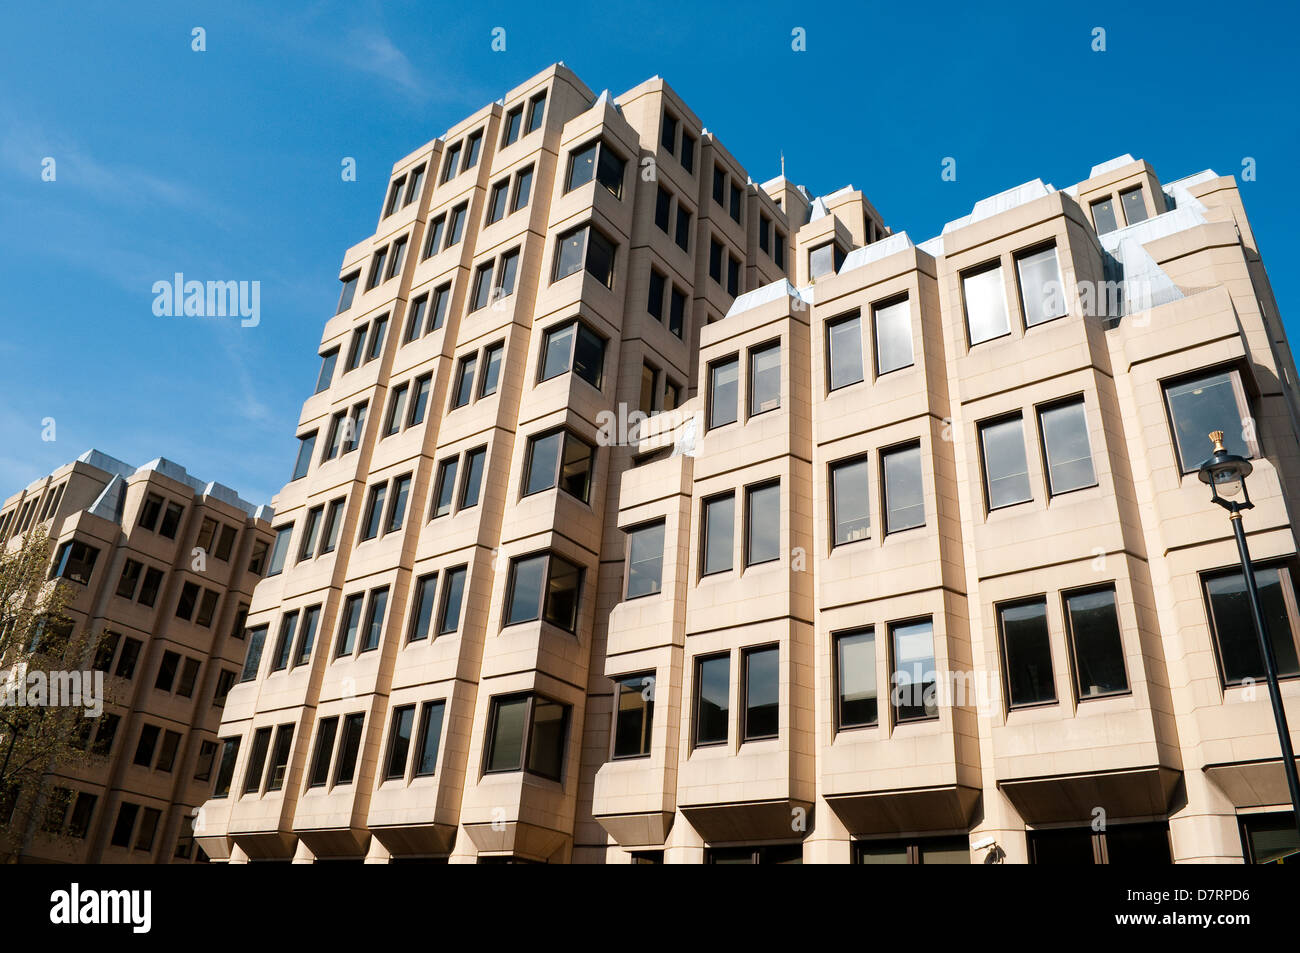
[910, 562]
[163, 565]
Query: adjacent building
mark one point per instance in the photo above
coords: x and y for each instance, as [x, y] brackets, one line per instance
[644, 513]
[163, 567]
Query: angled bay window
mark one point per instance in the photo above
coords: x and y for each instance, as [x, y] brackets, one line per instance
[559, 458]
[399, 742]
[893, 322]
[761, 713]
[426, 746]
[856, 695]
[634, 709]
[527, 732]
[253, 659]
[1042, 294]
[1208, 401]
[712, 700]
[1092, 625]
[596, 160]
[645, 559]
[75, 561]
[306, 447]
[1006, 472]
[904, 493]
[986, 304]
[1236, 644]
[762, 523]
[1103, 216]
[843, 352]
[718, 528]
[226, 767]
[850, 500]
[1134, 205]
[349, 744]
[824, 260]
[284, 641]
[348, 291]
[724, 389]
[1026, 654]
[326, 375]
[913, 680]
[543, 586]
[573, 347]
[585, 247]
[764, 378]
[279, 764]
[326, 731]
[1066, 447]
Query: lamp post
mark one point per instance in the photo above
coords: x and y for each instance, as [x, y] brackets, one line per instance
[1226, 475]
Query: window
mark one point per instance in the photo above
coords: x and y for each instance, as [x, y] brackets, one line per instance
[719, 533]
[225, 682]
[279, 550]
[558, 458]
[719, 184]
[1208, 402]
[687, 157]
[450, 162]
[457, 228]
[523, 189]
[482, 287]
[413, 189]
[376, 338]
[472, 480]
[645, 559]
[349, 745]
[189, 677]
[649, 375]
[225, 543]
[850, 502]
[171, 520]
[127, 660]
[167, 669]
[106, 734]
[1092, 625]
[913, 679]
[396, 410]
[394, 195]
[735, 203]
[145, 747]
[925, 850]
[207, 533]
[1231, 625]
[543, 586]
[844, 352]
[663, 209]
[733, 276]
[326, 375]
[724, 382]
[893, 336]
[188, 599]
[399, 742]
[1103, 216]
[1006, 474]
[536, 110]
[415, 318]
[585, 246]
[320, 762]
[596, 160]
[207, 757]
[356, 348]
[1041, 293]
[712, 700]
[513, 123]
[351, 623]
[433, 238]
[1026, 654]
[764, 234]
[307, 635]
[1268, 838]
[655, 300]
[444, 487]
[333, 523]
[306, 447]
[986, 304]
[279, 758]
[682, 234]
[764, 379]
[428, 739]
[677, 312]
[420, 401]
[1066, 448]
[441, 296]
[422, 612]
[715, 260]
[75, 561]
[226, 766]
[904, 503]
[824, 260]
[257, 760]
[634, 708]
[778, 250]
[1135, 207]
[760, 854]
[1128, 844]
[668, 133]
[762, 709]
[527, 732]
[576, 347]
[497, 201]
[253, 660]
[397, 507]
[464, 381]
[491, 370]
[453, 593]
[348, 291]
[856, 696]
[375, 609]
[398, 256]
[377, 264]
[284, 642]
[762, 524]
[125, 825]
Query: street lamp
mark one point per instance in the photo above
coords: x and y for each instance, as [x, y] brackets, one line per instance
[1226, 475]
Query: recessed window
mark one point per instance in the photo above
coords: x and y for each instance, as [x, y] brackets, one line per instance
[596, 161]
[523, 189]
[445, 487]
[374, 626]
[893, 323]
[171, 520]
[762, 524]
[377, 264]
[655, 299]
[682, 232]
[527, 732]
[415, 318]
[348, 291]
[536, 110]
[576, 347]
[1103, 216]
[585, 247]
[320, 762]
[1092, 623]
[824, 260]
[472, 480]
[426, 750]
[1269, 838]
[253, 659]
[843, 352]
[497, 201]
[645, 559]
[333, 523]
[75, 561]
[718, 531]
[464, 381]
[778, 250]
[668, 133]
[1205, 403]
[473, 145]
[397, 506]
[350, 624]
[733, 276]
[923, 850]
[433, 237]
[543, 586]
[1231, 625]
[1135, 845]
[712, 700]
[398, 256]
[426, 588]
[558, 458]
[349, 745]
[687, 158]
[634, 708]
[762, 711]
[456, 231]
[416, 184]
[663, 209]
[1026, 654]
[326, 375]
[453, 593]
[1135, 206]
[1066, 447]
[376, 345]
[1042, 295]
[764, 379]
[371, 521]
[719, 184]
[715, 260]
[279, 765]
[420, 401]
[226, 766]
[913, 678]
[850, 500]
[307, 635]
[491, 370]
[724, 384]
[514, 122]
[986, 304]
[1006, 473]
[734, 205]
[399, 742]
[904, 496]
[396, 410]
[279, 550]
[677, 311]
[450, 162]
[856, 696]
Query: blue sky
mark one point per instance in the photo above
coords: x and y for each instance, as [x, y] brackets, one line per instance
[225, 164]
